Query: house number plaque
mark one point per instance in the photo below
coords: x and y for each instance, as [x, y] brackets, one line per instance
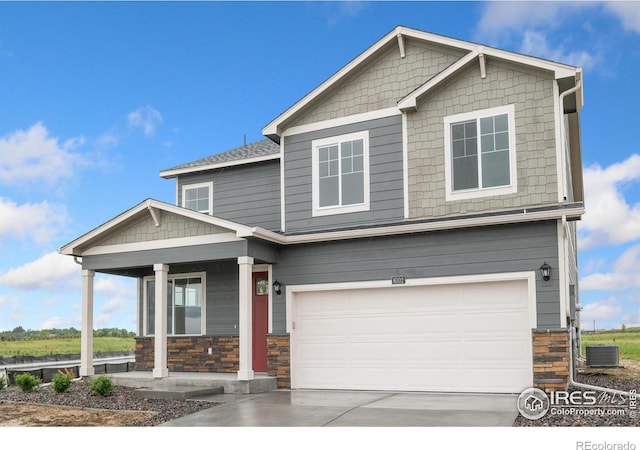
[398, 280]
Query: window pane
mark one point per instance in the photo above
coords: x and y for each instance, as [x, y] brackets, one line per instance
[465, 173]
[151, 307]
[457, 131]
[329, 191]
[458, 148]
[486, 125]
[190, 194]
[333, 152]
[188, 312]
[487, 143]
[353, 188]
[323, 154]
[495, 169]
[347, 165]
[346, 149]
[324, 169]
[358, 147]
[470, 129]
[203, 205]
[501, 123]
[471, 146]
[502, 141]
[358, 163]
[333, 168]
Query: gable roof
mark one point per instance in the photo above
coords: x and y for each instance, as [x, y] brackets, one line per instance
[397, 36]
[263, 150]
[146, 207]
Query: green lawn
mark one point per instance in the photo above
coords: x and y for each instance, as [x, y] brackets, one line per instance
[628, 341]
[43, 347]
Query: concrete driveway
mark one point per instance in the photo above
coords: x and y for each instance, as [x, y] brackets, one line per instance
[311, 408]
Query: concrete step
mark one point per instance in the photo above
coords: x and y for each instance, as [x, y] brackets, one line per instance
[178, 392]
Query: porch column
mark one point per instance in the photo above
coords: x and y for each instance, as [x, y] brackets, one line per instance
[160, 369]
[86, 336]
[245, 326]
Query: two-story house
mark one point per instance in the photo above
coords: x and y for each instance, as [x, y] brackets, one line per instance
[407, 225]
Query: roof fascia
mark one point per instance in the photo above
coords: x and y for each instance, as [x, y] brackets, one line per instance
[172, 173]
[272, 129]
[571, 212]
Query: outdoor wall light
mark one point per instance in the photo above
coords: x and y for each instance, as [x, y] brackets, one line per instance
[276, 287]
[545, 270]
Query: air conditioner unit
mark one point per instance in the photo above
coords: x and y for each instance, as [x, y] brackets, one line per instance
[603, 355]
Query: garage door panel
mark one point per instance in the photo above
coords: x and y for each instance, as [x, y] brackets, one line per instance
[473, 337]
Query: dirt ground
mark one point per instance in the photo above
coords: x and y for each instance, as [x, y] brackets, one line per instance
[36, 415]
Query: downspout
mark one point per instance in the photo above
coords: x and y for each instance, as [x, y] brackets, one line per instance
[572, 380]
[563, 137]
[75, 259]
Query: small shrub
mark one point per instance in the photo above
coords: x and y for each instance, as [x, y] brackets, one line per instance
[61, 381]
[102, 385]
[3, 382]
[27, 382]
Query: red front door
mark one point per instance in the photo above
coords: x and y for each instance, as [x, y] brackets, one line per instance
[260, 320]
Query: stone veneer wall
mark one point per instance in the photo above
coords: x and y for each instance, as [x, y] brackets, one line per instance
[190, 354]
[551, 359]
[278, 359]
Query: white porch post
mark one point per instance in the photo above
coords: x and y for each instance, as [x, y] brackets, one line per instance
[245, 264]
[160, 369]
[86, 336]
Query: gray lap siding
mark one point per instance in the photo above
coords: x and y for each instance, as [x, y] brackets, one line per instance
[386, 184]
[484, 250]
[247, 194]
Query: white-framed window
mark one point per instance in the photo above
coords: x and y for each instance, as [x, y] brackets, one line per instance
[480, 153]
[340, 174]
[198, 197]
[185, 304]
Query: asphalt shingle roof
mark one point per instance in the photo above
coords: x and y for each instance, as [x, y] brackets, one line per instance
[248, 151]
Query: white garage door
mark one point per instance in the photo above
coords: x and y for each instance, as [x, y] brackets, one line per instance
[473, 337]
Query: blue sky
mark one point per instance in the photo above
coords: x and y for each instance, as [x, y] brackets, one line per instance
[96, 98]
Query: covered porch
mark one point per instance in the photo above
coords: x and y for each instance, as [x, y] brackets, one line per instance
[204, 272]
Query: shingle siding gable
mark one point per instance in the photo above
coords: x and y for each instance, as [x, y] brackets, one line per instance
[531, 92]
[381, 84]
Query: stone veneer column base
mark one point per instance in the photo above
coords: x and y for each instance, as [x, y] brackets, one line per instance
[278, 359]
[551, 359]
[191, 354]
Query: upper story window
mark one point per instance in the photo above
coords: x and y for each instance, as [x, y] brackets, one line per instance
[480, 153]
[198, 197]
[341, 174]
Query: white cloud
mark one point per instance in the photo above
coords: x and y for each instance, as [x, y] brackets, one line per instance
[120, 295]
[631, 319]
[37, 221]
[609, 218]
[33, 155]
[535, 43]
[627, 12]
[146, 118]
[600, 311]
[50, 272]
[625, 274]
[499, 18]
[537, 28]
[58, 322]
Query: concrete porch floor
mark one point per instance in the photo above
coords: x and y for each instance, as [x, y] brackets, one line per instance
[194, 382]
